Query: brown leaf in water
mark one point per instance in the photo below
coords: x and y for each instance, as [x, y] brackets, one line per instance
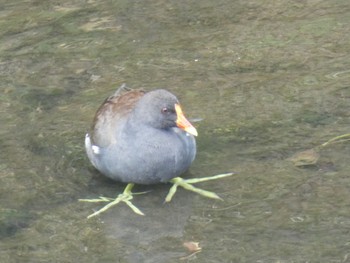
[305, 158]
[192, 246]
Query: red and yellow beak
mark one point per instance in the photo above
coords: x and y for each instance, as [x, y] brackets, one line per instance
[183, 123]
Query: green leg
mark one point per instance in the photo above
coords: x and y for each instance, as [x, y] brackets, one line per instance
[187, 184]
[125, 197]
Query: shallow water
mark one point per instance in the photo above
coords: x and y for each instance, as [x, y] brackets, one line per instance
[268, 78]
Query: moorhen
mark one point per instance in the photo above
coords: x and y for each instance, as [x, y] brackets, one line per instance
[144, 138]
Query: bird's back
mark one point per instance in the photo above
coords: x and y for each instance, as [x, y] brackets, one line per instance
[111, 114]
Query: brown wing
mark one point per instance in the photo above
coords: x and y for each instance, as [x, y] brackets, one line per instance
[111, 112]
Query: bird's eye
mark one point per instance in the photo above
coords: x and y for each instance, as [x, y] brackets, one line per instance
[165, 110]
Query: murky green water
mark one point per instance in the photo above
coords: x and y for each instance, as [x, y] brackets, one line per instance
[269, 79]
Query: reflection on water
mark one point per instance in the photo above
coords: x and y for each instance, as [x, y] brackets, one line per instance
[269, 79]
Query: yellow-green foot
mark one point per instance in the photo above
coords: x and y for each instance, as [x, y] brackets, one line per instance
[125, 197]
[187, 184]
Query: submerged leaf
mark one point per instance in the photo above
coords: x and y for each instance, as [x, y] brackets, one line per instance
[192, 246]
[305, 158]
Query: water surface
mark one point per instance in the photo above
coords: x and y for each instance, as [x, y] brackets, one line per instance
[268, 78]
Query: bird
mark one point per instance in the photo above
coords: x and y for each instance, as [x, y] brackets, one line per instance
[140, 137]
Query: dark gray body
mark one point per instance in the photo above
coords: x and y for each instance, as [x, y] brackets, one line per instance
[132, 150]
